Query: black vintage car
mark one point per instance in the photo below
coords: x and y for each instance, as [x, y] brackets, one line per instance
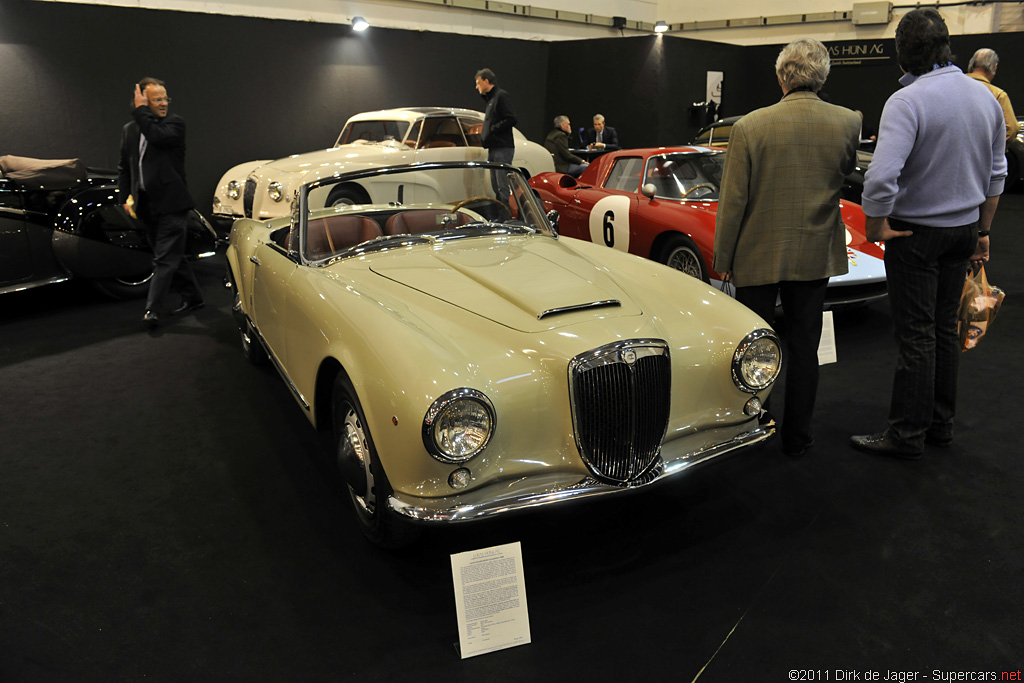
[59, 219]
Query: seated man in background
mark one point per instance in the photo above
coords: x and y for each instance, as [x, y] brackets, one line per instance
[602, 136]
[557, 143]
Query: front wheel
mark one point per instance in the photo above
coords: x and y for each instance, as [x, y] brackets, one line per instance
[368, 486]
[682, 254]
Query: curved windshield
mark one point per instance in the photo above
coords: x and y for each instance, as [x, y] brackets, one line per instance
[417, 203]
[685, 176]
[372, 131]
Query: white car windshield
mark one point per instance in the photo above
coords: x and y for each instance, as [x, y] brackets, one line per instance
[685, 176]
[372, 131]
[420, 202]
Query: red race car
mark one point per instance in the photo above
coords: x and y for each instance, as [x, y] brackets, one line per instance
[660, 203]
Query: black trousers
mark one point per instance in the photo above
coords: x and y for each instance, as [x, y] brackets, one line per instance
[802, 304]
[167, 234]
[926, 274]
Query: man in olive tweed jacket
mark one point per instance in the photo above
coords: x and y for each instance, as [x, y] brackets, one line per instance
[779, 231]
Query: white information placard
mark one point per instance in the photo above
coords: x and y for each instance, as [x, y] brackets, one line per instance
[827, 345]
[490, 598]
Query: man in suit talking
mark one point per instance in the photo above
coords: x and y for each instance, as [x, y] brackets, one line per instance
[151, 172]
[779, 230]
[601, 136]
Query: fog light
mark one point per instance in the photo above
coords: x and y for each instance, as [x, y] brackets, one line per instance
[459, 479]
[753, 407]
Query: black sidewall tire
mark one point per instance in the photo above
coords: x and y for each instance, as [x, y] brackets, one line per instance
[382, 527]
[347, 195]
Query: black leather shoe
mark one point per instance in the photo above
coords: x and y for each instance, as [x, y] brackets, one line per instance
[883, 444]
[940, 441]
[151, 319]
[797, 451]
[187, 306]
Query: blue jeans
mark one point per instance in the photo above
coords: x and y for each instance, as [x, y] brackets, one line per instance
[501, 155]
[925, 273]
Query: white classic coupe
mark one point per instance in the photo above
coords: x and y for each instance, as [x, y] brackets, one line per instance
[264, 189]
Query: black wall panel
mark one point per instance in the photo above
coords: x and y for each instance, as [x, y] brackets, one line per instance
[255, 88]
[868, 87]
[644, 86]
[247, 88]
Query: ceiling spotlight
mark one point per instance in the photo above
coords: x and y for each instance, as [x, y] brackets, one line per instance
[360, 24]
[660, 27]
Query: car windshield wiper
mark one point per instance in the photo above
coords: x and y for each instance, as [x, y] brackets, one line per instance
[490, 228]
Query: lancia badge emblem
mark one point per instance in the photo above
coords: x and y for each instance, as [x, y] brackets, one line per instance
[629, 356]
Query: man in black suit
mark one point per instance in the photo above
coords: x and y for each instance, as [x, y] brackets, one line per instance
[151, 173]
[601, 136]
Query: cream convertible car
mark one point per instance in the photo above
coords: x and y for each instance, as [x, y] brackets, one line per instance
[471, 362]
[264, 189]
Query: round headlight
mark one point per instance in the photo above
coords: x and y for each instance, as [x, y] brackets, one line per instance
[757, 361]
[276, 191]
[234, 189]
[458, 425]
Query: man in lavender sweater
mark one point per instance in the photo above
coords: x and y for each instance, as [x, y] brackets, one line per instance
[930, 193]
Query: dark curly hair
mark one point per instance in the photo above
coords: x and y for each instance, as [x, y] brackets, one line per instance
[922, 40]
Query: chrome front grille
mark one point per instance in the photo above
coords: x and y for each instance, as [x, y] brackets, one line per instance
[621, 394]
[248, 195]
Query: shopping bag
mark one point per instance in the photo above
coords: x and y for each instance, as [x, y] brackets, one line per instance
[979, 304]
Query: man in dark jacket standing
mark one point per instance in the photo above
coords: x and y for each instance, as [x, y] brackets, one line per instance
[557, 143]
[499, 118]
[151, 172]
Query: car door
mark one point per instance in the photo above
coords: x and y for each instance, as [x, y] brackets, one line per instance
[15, 256]
[602, 215]
[273, 268]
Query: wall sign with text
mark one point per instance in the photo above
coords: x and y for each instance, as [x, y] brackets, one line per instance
[861, 52]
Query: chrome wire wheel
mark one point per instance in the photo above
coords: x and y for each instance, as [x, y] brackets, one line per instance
[353, 444]
[680, 253]
[682, 258]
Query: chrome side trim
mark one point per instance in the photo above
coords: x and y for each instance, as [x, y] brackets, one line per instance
[16, 212]
[561, 491]
[31, 285]
[579, 307]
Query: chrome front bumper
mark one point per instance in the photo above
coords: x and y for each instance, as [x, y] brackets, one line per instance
[535, 491]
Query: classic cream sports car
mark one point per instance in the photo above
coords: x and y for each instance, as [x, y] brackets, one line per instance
[264, 189]
[472, 363]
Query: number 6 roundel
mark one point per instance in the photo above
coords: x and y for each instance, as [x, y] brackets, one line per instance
[609, 222]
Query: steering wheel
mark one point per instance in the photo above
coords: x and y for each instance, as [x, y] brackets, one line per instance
[697, 187]
[458, 205]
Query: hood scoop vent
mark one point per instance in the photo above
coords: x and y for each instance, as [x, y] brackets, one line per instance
[608, 303]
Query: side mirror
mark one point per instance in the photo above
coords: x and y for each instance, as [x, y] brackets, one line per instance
[648, 190]
[567, 181]
[553, 220]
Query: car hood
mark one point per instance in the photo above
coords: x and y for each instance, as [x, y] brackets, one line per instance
[326, 162]
[529, 284]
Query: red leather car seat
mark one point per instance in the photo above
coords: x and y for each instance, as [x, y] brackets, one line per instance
[325, 236]
[422, 220]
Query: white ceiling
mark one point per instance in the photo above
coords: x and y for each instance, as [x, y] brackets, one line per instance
[440, 17]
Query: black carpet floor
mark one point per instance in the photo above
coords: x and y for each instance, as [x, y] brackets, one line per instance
[167, 514]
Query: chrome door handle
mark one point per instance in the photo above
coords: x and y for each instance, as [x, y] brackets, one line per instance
[254, 260]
